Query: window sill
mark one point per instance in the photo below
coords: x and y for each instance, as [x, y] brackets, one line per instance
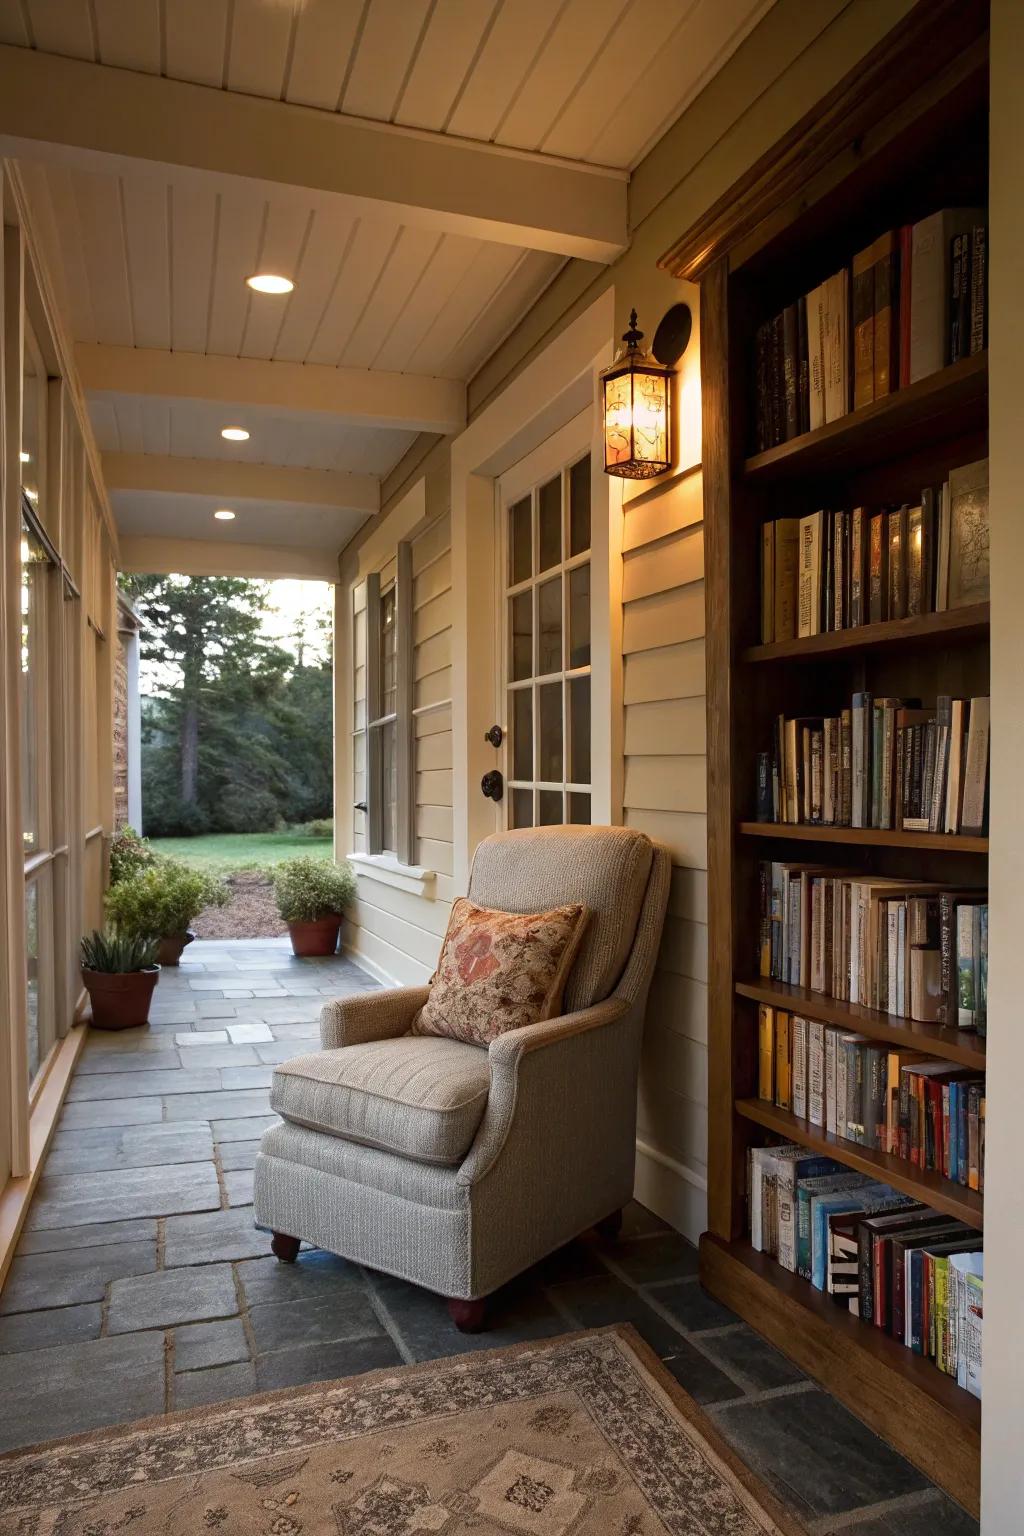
[386, 869]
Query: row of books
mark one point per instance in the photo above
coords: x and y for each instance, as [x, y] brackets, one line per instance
[903, 947]
[883, 763]
[894, 1263]
[901, 1102]
[830, 571]
[910, 303]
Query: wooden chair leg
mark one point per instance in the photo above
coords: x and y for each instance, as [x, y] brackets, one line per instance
[286, 1248]
[468, 1316]
[611, 1226]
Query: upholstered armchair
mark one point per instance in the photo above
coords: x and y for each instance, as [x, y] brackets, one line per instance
[457, 1167]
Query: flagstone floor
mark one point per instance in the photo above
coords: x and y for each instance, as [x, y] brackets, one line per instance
[141, 1286]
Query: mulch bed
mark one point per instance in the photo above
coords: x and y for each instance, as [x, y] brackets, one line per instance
[250, 914]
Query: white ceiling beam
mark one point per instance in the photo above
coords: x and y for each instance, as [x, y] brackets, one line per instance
[232, 481]
[514, 197]
[359, 397]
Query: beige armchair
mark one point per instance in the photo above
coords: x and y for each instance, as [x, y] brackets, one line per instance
[457, 1167]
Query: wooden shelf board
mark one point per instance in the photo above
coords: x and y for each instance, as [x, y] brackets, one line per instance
[872, 837]
[902, 1396]
[952, 400]
[965, 1205]
[928, 629]
[960, 1046]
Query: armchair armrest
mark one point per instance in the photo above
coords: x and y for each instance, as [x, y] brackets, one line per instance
[369, 1016]
[543, 1054]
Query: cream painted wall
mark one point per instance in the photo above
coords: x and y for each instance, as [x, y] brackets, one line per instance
[1002, 1491]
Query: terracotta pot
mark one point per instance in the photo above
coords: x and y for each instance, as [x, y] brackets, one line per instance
[120, 1001]
[316, 938]
[169, 951]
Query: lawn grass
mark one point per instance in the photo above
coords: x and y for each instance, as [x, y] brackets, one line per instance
[219, 853]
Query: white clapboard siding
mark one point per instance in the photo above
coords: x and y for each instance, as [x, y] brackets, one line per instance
[665, 795]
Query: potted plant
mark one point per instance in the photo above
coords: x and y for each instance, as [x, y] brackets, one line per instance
[161, 901]
[130, 854]
[311, 896]
[120, 971]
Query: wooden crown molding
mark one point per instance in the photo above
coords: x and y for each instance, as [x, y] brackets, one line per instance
[932, 36]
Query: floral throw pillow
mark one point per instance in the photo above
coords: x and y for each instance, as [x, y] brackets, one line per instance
[500, 971]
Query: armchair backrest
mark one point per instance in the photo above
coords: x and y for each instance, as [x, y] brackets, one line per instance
[606, 868]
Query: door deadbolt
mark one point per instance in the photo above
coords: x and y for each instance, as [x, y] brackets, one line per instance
[495, 736]
[492, 785]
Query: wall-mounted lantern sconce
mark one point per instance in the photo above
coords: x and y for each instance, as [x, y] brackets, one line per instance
[637, 399]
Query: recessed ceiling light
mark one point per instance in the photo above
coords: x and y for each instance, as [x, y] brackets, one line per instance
[224, 515]
[235, 434]
[270, 282]
[26, 458]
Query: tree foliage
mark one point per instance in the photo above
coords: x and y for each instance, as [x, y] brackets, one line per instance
[237, 727]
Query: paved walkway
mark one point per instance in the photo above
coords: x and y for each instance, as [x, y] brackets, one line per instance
[141, 1286]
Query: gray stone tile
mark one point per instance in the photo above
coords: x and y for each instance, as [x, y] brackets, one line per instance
[72, 1275]
[134, 1146]
[214, 1014]
[638, 1221]
[77, 1117]
[305, 1030]
[237, 994]
[665, 1256]
[815, 1456]
[744, 1351]
[320, 1318]
[691, 1305]
[239, 1104]
[268, 1280]
[102, 1235]
[598, 1302]
[203, 1038]
[516, 1313]
[246, 1128]
[284, 1050]
[75, 1387]
[41, 1330]
[249, 1034]
[238, 1154]
[238, 1184]
[119, 1085]
[938, 1516]
[212, 1237]
[247, 1077]
[197, 1389]
[93, 1063]
[223, 1056]
[324, 1362]
[171, 1296]
[700, 1376]
[78, 1199]
[200, 1345]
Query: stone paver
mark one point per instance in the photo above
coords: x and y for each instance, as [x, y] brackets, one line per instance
[172, 1296]
[76, 1199]
[198, 1346]
[73, 1387]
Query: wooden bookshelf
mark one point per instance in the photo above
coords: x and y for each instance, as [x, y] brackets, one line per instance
[904, 134]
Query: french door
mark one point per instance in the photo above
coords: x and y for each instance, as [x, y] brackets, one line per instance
[545, 587]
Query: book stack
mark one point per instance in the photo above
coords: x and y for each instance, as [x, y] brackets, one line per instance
[926, 1111]
[899, 946]
[884, 763]
[909, 304]
[894, 1263]
[836, 570]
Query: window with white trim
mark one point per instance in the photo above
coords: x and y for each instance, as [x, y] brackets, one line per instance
[388, 737]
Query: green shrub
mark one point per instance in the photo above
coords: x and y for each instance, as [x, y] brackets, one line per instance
[322, 827]
[130, 854]
[118, 954]
[162, 901]
[307, 889]
[247, 809]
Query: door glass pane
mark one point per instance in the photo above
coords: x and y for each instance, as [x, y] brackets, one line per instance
[522, 733]
[389, 788]
[520, 553]
[388, 655]
[579, 507]
[549, 508]
[521, 648]
[549, 619]
[550, 808]
[521, 808]
[579, 616]
[34, 573]
[32, 952]
[579, 810]
[550, 709]
[33, 420]
[579, 730]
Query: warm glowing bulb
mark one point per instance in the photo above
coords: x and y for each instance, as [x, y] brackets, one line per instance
[26, 458]
[235, 434]
[270, 282]
[224, 515]
[31, 493]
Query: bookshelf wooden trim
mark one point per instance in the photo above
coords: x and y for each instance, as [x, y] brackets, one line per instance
[923, 1184]
[893, 424]
[871, 837]
[902, 1396]
[960, 1046]
[953, 624]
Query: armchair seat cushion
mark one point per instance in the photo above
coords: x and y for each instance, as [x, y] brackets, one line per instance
[419, 1097]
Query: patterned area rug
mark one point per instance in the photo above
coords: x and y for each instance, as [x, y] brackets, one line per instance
[580, 1436]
